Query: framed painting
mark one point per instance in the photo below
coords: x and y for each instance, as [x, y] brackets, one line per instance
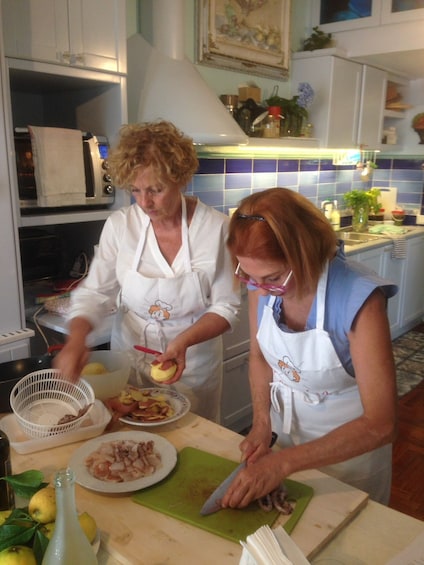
[394, 11]
[250, 36]
[335, 15]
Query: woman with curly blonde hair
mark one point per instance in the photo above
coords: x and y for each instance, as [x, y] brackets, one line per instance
[163, 263]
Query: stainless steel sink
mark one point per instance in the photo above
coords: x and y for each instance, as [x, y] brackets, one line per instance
[352, 238]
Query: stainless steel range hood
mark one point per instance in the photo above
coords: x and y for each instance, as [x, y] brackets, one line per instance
[163, 84]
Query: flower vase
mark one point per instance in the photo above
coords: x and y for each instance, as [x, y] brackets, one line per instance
[294, 125]
[360, 218]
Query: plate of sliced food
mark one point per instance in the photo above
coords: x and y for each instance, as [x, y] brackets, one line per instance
[149, 406]
[123, 461]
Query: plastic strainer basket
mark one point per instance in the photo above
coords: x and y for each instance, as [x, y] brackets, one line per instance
[40, 399]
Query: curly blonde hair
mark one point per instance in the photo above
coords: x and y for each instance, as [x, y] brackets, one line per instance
[159, 145]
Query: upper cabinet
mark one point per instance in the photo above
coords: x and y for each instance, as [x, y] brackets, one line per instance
[349, 99]
[89, 34]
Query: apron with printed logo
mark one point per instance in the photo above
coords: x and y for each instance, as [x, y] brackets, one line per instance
[154, 310]
[312, 394]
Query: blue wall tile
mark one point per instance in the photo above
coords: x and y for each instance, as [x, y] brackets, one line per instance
[222, 183]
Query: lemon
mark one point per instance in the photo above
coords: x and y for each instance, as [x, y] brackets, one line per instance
[94, 369]
[48, 529]
[89, 526]
[42, 505]
[4, 514]
[17, 555]
[158, 374]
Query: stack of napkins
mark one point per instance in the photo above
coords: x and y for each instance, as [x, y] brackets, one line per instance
[271, 547]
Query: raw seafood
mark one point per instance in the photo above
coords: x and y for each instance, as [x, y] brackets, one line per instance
[123, 460]
[276, 499]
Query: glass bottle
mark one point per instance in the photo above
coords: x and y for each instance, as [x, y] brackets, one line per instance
[7, 499]
[272, 122]
[69, 545]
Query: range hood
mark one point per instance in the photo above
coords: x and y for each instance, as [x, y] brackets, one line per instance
[163, 84]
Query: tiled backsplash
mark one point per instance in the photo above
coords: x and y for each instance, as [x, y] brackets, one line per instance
[223, 182]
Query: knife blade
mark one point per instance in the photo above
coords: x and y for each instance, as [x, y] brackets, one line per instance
[213, 503]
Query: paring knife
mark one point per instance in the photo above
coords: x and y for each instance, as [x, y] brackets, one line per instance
[213, 503]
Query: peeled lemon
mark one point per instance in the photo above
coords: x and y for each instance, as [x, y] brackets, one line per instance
[159, 375]
[94, 369]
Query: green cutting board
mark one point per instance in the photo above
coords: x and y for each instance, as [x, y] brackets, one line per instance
[196, 475]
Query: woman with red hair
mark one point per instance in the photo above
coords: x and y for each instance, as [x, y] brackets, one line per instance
[321, 366]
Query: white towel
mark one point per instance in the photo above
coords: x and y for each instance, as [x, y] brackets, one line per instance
[58, 165]
[271, 547]
[399, 248]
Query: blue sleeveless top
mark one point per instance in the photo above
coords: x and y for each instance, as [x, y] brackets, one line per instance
[349, 285]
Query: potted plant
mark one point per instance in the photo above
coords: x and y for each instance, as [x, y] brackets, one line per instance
[418, 125]
[361, 201]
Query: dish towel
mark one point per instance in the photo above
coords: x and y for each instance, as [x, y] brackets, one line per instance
[399, 248]
[59, 166]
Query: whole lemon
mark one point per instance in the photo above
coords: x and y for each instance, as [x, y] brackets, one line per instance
[94, 369]
[17, 555]
[4, 515]
[48, 529]
[89, 526]
[42, 505]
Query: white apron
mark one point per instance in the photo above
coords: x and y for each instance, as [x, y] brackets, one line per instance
[312, 394]
[155, 310]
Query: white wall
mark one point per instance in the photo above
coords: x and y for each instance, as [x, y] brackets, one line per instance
[220, 80]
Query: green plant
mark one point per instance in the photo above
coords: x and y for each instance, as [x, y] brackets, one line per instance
[418, 121]
[373, 200]
[356, 199]
[317, 40]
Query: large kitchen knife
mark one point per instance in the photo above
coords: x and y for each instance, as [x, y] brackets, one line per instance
[213, 503]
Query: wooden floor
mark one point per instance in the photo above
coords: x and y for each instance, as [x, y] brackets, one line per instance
[408, 455]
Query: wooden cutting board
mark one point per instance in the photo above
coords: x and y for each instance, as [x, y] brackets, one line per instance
[196, 475]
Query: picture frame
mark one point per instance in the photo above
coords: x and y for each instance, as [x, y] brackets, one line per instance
[244, 36]
[345, 20]
[395, 11]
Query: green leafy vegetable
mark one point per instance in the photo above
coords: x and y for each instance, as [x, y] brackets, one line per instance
[27, 483]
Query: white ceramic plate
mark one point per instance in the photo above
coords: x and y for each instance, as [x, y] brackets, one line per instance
[179, 402]
[166, 450]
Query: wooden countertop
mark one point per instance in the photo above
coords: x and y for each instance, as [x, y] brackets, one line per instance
[133, 534]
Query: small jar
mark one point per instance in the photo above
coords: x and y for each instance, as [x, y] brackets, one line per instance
[272, 122]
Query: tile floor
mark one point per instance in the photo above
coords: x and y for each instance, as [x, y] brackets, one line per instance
[408, 351]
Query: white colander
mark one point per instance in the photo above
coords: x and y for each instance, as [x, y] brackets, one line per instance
[42, 398]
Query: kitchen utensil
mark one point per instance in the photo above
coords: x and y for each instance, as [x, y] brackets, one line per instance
[93, 425]
[147, 350]
[195, 476]
[213, 503]
[41, 399]
[13, 371]
[165, 448]
[109, 384]
[179, 402]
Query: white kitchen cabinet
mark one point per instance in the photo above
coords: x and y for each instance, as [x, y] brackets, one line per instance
[88, 34]
[347, 110]
[236, 402]
[413, 284]
[394, 270]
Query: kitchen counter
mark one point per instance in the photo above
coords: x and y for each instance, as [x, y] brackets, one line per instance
[133, 534]
[383, 240]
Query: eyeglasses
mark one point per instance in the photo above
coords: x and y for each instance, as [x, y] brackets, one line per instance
[282, 289]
